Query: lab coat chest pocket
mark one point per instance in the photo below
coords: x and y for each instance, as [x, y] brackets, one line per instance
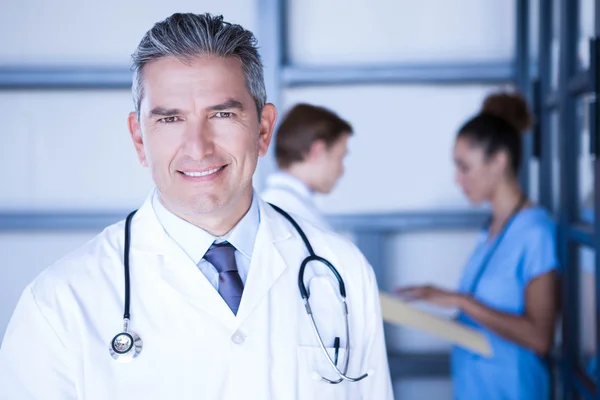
[312, 365]
[150, 379]
[327, 310]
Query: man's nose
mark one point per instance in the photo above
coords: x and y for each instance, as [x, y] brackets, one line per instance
[199, 140]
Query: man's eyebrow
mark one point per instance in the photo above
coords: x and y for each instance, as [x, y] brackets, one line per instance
[165, 112]
[227, 105]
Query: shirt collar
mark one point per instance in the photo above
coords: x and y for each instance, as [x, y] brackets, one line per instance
[288, 181]
[195, 241]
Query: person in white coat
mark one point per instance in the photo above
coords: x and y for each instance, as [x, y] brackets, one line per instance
[213, 309]
[310, 146]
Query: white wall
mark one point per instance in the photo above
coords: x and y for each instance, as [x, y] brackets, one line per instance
[95, 32]
[384, 31]
[71, 150]
[586, 18]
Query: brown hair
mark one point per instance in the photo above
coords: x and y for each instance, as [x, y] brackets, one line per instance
[303, 125]
[499, 126]
[511, 107]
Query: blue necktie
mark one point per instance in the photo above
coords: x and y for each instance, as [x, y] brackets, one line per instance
[222, 257]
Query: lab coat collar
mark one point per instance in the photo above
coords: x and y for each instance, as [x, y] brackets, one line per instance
[277, 227]
[150, 235]
[288, 181]
[147, 234]
[196, 241]
[243, 236]
[192, 239]
[267, 263]
[179, 271]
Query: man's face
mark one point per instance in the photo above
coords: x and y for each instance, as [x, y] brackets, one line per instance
[330, 164]
[199, 133]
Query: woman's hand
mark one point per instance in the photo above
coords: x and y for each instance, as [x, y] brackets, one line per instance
[533, 329]
[431, 294]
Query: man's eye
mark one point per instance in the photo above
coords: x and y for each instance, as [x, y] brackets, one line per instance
[168, 120]
[223, 115]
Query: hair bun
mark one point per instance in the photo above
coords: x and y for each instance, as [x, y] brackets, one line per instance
[512, 107]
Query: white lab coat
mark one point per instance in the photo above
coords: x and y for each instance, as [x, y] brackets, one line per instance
[292, 195]
[56, 344]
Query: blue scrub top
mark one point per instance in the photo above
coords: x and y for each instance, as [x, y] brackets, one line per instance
[527, 250]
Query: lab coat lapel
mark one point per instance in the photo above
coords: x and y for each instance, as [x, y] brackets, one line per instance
[267, 264]
[150, 242]
[185, 278]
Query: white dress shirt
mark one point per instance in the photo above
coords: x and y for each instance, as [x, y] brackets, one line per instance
[195, 241]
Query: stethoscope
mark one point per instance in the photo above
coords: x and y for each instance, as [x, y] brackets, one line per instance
[484, 264]
[127, 345]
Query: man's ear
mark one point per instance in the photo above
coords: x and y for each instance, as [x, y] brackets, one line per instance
[268, 118]
[316, 151]
[136, 136]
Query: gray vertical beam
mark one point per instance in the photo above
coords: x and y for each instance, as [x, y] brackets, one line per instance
[372, 245]
[594, 136]
[569, 193]
[522, 80]
[402, 73]
[545, 71]
[595, 77]
[271, 36]
[544, 146]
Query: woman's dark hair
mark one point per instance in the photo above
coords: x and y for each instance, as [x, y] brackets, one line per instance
[499, 126]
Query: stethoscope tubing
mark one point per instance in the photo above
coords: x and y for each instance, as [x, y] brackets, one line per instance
[301, 286]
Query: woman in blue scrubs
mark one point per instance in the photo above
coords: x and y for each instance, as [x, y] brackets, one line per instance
[508, 290]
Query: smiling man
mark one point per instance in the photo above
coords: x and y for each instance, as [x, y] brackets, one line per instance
[197, 129]
[195, 295]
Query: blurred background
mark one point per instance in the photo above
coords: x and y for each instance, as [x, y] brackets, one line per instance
[405, 73]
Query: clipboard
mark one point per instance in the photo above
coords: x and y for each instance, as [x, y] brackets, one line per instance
[398, 312]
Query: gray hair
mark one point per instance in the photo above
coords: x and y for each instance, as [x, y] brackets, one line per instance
[186, 36]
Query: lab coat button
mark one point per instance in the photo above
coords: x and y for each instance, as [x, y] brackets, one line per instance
[237, 338]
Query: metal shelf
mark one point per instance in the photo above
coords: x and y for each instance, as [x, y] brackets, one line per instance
[98, 77]
[393, 222]
[580, 83]
[65, 77]
[57, 220]
[582, 234]
[552, 100]
[419, 365]
[408, 220]
[482, 72]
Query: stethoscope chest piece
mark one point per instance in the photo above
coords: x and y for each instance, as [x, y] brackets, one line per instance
[125, 346]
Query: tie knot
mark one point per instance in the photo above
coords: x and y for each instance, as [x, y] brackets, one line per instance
[221, 256]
